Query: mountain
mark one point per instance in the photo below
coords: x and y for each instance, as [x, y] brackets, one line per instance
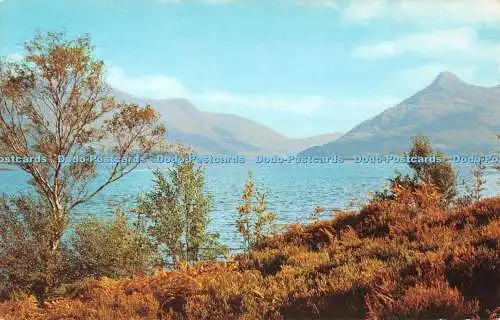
[217, 133]
[456, 116]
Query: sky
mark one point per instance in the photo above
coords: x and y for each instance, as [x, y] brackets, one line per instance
[301, 67]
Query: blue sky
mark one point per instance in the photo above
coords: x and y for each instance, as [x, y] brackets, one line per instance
[302, 67]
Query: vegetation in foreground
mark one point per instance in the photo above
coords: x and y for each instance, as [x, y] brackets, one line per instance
[406, 257]
[55, 110]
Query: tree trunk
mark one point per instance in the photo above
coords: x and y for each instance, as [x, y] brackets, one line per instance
[46, 281]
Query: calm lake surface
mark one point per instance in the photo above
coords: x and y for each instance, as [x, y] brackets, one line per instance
[294, 190]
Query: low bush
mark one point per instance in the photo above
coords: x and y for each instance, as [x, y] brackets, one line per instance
[112, 248]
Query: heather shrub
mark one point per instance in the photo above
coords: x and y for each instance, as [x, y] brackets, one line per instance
[230, 295]
[444, 265]
[477, 214]
[407, 213]
[422, 301]
[20, 306]
[268, 261]
[115, 248]
[314, 236]
[474, 270]
[103, 299]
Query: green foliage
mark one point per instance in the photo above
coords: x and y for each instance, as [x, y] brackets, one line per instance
[116, 248]
[399, 180]
[439, 173]
[26, 261]
[55, 102]
[176, 214]
[254, 222]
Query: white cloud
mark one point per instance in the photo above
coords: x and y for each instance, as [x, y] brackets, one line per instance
[218, 1]
[159, 86]
[458, 50]
[360, 11]
[213, 2]
[422, 12]
[332, 4]
[455, 44]
[154, 86]
[14, 57]
[296, 104]
[376, 50]
[429, 43]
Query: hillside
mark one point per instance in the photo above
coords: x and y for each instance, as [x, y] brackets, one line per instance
[456, 116]
[396, 259]
[220, 133]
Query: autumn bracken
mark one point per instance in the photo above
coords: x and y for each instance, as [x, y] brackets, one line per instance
[402, 258]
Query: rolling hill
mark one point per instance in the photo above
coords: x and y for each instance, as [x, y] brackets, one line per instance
[217, 133]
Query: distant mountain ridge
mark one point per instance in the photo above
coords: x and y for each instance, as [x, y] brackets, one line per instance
[217, 133]
[456, 116]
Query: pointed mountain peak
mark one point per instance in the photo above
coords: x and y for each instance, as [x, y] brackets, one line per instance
[446, 80]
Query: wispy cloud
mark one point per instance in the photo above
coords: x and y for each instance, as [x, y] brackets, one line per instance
[421, 12]
[218, 1]
[458, 50]
[331, 4]
[160, 86]
[154, 86]
[455, 44]
[429, 43]
[170, 1]
[213, 2]
[295, 104]
[14, 57]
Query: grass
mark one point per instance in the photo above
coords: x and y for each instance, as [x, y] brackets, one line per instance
[403, 258]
